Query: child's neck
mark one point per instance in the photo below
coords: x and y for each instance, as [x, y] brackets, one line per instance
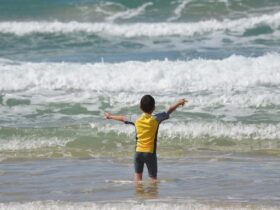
[148, 113]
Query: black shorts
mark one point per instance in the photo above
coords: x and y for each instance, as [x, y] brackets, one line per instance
[150, 159]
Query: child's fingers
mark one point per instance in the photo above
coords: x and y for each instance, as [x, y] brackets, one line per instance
[106, 115]
[183, 101]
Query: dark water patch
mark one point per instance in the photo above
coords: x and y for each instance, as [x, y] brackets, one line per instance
[254, 3]
[266, 115]
[267, 152]
[76, 109]
[131, 45]
[1, 99]
[35, 133]
[267, 42]
[37, 10]
[227, 41]
[199, 115]
[161, 41]
[205, 10]
[43, 41]
[17, 102]
[221, 142]
[62, 112]
[74, 47]
[258, 30]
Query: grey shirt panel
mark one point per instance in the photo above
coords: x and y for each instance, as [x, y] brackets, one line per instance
[161, 117]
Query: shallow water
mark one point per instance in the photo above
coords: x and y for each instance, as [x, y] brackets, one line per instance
[226, 179]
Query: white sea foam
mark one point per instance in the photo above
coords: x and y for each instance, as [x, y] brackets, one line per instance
[235, 81]
[129, 13]
[142, 29]
[131, 205]
[16, 143]
[235, 72]
[202, 130]
[245, 100]
[178, 10]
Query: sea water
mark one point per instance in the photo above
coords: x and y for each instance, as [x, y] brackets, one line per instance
[64, 63]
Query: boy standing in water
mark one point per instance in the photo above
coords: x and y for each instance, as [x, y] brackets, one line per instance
[146, 126]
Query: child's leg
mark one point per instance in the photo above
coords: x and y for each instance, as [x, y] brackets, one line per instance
[151, 162]
[153, 179]
[137, 177]
[139, 166]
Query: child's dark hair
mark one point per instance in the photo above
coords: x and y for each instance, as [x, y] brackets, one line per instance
[147, 103]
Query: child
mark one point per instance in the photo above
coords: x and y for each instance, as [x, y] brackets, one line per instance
[146, 134]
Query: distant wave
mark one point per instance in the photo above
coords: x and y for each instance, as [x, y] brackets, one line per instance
[142, 29]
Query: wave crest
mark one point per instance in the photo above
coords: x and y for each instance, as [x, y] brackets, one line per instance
[235, 72]
[238, 26]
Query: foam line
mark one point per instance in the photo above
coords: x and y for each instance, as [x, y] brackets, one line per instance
[203, 130]
[25, 143]
[141, 29]
[130, 13]
[178, 10]
[132, 205]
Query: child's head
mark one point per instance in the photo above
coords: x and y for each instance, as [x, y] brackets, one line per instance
[147, 104]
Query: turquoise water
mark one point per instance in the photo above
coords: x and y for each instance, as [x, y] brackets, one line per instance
[63, 64]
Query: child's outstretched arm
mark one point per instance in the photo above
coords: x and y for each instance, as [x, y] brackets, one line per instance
[173, 107]
[109, 116]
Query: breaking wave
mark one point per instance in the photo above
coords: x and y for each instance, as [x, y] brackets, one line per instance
[227, 26]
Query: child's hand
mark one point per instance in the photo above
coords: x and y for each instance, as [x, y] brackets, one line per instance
[181, 102]
[107, 115]
[110, 116]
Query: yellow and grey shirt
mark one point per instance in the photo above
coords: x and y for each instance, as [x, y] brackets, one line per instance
[146, 127]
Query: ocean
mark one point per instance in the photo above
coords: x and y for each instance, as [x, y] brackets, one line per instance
[64, 63]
